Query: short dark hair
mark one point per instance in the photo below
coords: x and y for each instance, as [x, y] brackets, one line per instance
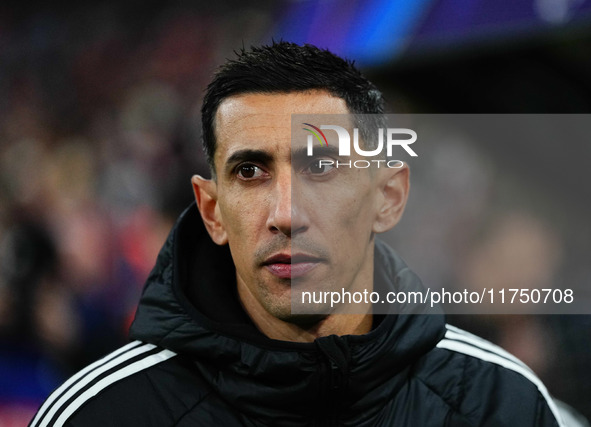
[284, 67]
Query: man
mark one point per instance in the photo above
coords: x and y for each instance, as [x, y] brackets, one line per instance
[217, 341]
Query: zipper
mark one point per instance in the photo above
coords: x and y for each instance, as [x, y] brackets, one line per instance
[335, 372]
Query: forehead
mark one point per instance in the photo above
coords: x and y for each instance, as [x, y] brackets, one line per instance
[263, 121]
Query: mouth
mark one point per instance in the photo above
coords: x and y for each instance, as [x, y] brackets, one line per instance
[286, 266]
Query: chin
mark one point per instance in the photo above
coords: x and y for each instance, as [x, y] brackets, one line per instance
[305, 321]
[310, 315]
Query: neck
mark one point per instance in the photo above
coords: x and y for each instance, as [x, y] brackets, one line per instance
[302, 328]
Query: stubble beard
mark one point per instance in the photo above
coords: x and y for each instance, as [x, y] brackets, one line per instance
[280, 307]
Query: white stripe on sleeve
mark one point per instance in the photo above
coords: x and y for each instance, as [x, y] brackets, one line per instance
[478, 353]
[130, 369]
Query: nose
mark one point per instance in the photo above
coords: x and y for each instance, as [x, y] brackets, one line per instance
[284, 215]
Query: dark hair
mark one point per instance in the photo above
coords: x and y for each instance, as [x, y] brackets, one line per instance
[284, 67]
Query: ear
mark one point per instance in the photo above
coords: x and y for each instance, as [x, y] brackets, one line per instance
[393, 187]
[206, 197]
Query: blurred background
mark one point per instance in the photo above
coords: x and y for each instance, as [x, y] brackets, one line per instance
[100, 130]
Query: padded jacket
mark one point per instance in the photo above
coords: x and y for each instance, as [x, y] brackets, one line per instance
[197, 360]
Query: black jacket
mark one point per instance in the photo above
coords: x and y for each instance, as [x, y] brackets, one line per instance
[199, 361]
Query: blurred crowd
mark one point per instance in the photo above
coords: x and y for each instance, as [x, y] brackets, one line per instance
[472, 223]
[99, 136]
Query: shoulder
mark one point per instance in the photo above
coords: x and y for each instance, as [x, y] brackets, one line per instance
[138, 380]
[482, 382]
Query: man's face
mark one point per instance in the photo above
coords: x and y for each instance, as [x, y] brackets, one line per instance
[288, 220]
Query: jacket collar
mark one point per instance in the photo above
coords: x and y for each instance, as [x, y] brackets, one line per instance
[189, 305]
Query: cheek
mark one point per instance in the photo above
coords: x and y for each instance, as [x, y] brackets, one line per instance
[241, 215]
[351, 207]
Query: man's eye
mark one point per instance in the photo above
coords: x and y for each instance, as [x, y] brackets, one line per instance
[319, 167]
[249, 171]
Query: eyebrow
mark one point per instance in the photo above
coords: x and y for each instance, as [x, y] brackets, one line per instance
[301, 154]
[249, 155]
